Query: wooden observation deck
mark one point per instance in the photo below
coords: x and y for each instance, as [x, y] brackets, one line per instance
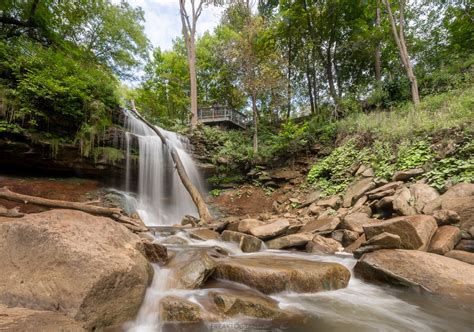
[222, 115]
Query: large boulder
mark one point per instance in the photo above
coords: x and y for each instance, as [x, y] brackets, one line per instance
[420, 270]
[422, 194]
[247, 243]
[290, 241]
[273, 274]
[272, 230]
[464, 207]
[23, 319]
[245, 225]
[445, 239]
[177, 309]
[357, 190]
[191, 268]
[323, 246]
[204, 234]
[356, 221]
[85, 266]
[415, 231]
[403, 202]
[458, 190]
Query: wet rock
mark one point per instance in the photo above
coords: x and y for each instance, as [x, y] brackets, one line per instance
[444, 240]
[247, 243]
[407, 174]
[357, 190]
[356, 221]
[333, 202]
[415, 231]
[446, 217]
[420, 270]
[273, 274]
[403, 202]
[248, 304]
[290, 241]
[245, 225]
[321, 225]
[191, 268]
[272, 230]
[466, 245]
[63, 260]
[204, 234]
[190, 220]
[356, 244]
[176, 309]
[154, 252]
[458, 190]
[464, 207]
[323, 246]
[22, 319]
[464, 256]
[422, 194]
[174, 240]
[385, 240]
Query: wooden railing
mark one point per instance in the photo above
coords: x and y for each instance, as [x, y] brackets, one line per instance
[216, 114]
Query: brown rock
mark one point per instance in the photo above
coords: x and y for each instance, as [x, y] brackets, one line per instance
[246, 224]
[332, 202]
[356, 244]
[322, 245]
[444, 240]
[191, 268]
[464, 207]
[345, 236]
[420, 270]
[381, 194]
[407, 174]
[464, 256]
[385, 241]
[458, 190]
[204, 234]
[361, 201]
[174, 240]
[446, 217]
[422, 194]
[357, 190]
[285, 174]
[315, 209]
[290, 241]
[176, 309]
[356, 221]
[403, 202]
[269, 231]
[311, 198]
[22, 319]
[415, 231]
[277, 274]
[385, 187]
[321, 225]
[247, 243]
[154, 252]
[466, 245]
[75, 257]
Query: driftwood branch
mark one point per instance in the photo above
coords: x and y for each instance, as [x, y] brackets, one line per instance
[201, 205]
[114, 213]
[11, 213]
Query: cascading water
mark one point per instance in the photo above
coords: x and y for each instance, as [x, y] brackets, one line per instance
[162, 198]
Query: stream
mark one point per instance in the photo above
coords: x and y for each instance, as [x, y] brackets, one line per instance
[162, 200]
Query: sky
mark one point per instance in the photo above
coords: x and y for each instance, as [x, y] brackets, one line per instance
[163, 23]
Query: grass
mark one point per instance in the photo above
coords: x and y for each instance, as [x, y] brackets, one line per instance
[436, 112]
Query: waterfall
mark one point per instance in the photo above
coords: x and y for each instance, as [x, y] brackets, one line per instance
[162, 198]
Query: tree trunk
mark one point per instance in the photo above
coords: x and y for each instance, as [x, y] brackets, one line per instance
[289, 78]
[310, 86]
[330, 77]
[114, 213]
[201, 205]
[192, 77]
[378, 56]
[399, 36]
[255, 123]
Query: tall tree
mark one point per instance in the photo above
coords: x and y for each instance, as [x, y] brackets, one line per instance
[378, 56]
[399, 36]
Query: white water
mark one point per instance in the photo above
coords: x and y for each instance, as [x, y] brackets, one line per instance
[361, 306]
[162, 198]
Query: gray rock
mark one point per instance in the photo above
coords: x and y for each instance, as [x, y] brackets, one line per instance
[272, 230]
[466, 245]
[247, 243]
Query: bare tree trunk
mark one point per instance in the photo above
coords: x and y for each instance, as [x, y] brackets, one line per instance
[399, 37]
[378, 56]
[255, 123]
[310, 86]
[114, 213]
[201, 205]
[289, 78]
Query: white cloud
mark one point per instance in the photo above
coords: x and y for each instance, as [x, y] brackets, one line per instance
[163, 23]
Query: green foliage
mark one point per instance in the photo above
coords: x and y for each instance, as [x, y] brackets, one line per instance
[110, 155]
[413, 154]
[229, 145]
[10, 127]
[215, 192]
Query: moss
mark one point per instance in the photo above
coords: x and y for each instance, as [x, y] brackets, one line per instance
[111, 155]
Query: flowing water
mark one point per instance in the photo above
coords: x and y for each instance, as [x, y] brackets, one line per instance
[162, 200]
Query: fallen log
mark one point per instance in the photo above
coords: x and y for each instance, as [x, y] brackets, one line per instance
[201, 205]
[113, 213]
[11, 213]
